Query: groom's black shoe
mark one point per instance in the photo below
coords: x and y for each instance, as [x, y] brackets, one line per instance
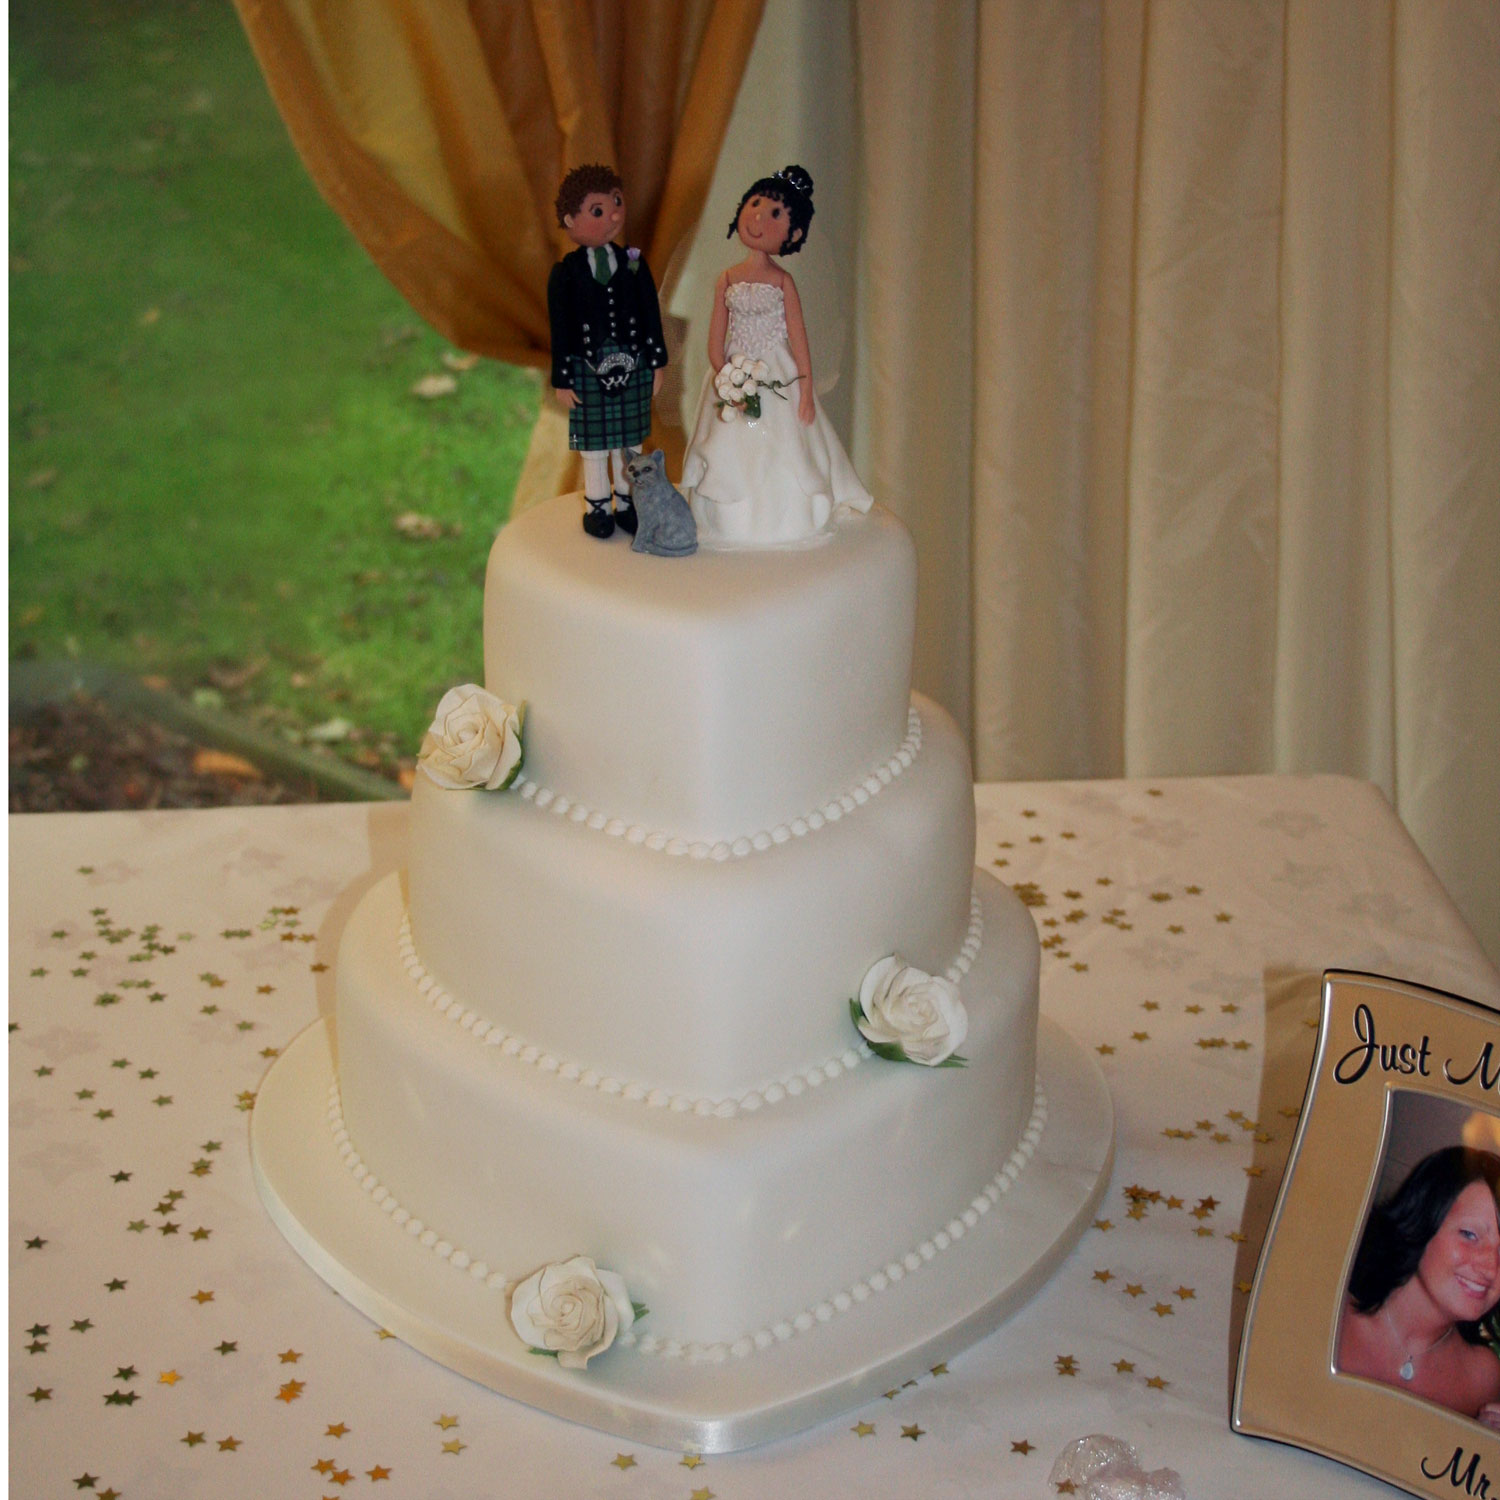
[625, 517]
[597, 520]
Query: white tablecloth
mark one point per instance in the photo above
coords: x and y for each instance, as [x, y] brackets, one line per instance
[165, 1341]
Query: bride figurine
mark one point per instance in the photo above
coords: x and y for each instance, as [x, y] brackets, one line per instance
[765, 467]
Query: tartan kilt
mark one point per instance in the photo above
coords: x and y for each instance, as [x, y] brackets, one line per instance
[605, 420]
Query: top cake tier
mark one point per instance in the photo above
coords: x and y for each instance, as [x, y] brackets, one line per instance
[708, 697]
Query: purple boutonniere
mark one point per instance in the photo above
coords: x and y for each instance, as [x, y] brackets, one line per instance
[633, 257]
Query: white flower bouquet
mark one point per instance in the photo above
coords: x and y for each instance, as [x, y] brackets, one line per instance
[739, 384]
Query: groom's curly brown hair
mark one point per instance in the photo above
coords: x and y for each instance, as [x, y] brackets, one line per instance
[579, 183]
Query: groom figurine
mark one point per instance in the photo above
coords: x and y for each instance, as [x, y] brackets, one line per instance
[607, 344]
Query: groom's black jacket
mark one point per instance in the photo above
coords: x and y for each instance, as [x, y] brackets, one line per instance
[586, 315]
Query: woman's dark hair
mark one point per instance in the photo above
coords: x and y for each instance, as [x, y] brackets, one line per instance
[1399, 1229]
[792, 187]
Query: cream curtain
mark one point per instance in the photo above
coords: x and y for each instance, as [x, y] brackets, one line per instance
[1179, 350]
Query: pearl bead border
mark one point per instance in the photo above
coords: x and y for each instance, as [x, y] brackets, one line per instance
[693, 1351]
[656, 1097]
[544, 798]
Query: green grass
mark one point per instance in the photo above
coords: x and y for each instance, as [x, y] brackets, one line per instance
[212, 424]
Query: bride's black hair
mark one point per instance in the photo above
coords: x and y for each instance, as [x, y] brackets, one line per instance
[792, 187]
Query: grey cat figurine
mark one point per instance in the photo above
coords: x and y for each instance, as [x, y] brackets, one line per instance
[665, 527]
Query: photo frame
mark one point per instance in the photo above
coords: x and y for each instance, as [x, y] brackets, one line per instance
[1372, 1334]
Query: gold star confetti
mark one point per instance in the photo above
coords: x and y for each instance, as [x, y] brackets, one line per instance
[1242, 1286]
[200, 1297]
[1186, 1293]
[168, 1377]
[291, 1391]
[1105, 1276]
[289, 1356]
[690, 1460]
[192, 1439]
[1124, 1367]
[227, 1346]
[1105, 1050]
[1065, 1364]
[1193, 1010]
[623, 1461]
[1134, 1289]
[335, 1430]
[1255, 1171]
[41, 1393]
[941, 1369]
[378, 1472]
[1157, 1383]
[445, 1422]
[1163, 1309]
[324, 1466]
[86, 1481]
[1140, 1036]
[913, 1432]
[1023, 1448]
[863, 1429]
[384, 1333]
[229, 1444]
[703, 1494]
[1235, 1237]
[454, 1446]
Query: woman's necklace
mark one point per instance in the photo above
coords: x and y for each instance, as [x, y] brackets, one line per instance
[1408, 1371]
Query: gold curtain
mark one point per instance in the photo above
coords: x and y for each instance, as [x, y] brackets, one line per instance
[439, 131]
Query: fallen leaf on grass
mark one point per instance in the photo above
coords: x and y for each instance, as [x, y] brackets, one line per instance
[222, 763]
[460, 363]
[430, 387]
[150, 316]
[418, 528]
[329, 731]
[232, 679]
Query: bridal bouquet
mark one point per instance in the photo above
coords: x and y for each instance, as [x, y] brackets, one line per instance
[739, 385]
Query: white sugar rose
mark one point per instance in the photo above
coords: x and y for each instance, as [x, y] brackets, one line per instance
[571, 1309]
[474, 740]
[910, 1014]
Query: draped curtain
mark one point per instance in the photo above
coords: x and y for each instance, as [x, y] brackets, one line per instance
[1202, 302]
[439, 131]
[1177, 330]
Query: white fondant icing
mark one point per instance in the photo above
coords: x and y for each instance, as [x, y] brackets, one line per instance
[572, 1072]
[762, 1338]
[662, 842]
[718, 1222]
[711, 694]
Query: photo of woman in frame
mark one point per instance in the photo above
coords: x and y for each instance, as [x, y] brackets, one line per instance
[1419, 1306]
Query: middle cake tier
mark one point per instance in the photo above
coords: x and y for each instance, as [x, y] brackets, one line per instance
[709, 970]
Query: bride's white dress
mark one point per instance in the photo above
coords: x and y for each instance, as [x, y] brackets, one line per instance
[770, 481]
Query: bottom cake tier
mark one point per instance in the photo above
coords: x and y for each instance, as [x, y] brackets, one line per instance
[739, 1223]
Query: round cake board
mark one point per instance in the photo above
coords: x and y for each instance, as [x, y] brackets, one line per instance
[929, 1315]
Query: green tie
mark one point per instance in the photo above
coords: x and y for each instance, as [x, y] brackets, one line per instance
[601, 264]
